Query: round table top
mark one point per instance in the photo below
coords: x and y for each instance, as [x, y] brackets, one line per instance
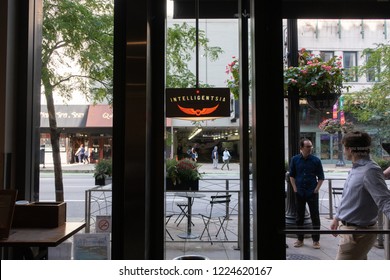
[190, 194]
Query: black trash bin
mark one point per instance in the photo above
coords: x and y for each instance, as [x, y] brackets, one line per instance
[191, 257]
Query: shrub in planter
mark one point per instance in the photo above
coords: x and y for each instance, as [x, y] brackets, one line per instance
[182, 174]
[103, 170]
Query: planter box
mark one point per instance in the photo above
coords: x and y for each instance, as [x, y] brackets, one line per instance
[40, 215]
[100, 181]
[187, 186]
[103, 181]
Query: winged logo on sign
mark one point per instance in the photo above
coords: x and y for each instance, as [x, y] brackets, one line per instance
[198, 112]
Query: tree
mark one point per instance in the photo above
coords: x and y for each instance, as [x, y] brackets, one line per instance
[181, 46]
[372, 105]
[78, 37]
[77, 55]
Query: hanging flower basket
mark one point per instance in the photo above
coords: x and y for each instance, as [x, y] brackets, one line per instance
[319, 82]
[334, 125]
[322, 102]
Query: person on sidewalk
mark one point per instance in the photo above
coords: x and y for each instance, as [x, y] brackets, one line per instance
[306, 177]
[365, 192]
[194, 154]
[80, 153]
[226, 158]
[214, 157]
[86, 156]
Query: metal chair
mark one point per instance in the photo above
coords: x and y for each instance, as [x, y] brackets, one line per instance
[336, 191]
[168, 218]
[217, 219]
[183, 206]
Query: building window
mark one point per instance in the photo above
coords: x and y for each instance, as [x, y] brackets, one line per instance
[372, 72]
[350, 63]
[326, 55]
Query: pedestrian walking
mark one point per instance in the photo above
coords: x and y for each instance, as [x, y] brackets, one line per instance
[214, 157]
[365, 194]
[226, 158]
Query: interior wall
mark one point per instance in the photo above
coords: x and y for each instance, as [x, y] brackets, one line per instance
[8, 85]
[3, 78]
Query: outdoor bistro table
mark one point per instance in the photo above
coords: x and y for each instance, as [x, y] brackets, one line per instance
[191, 197]
[21, 239]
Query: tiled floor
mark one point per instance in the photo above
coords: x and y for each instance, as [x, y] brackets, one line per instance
[227, 250]
[220, 249]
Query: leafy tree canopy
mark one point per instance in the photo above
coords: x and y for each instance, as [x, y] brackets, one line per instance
[372, 105]
[78, 34]
[181, 46]
[77, 56]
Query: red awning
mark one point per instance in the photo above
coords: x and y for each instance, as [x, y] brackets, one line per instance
[99, 116]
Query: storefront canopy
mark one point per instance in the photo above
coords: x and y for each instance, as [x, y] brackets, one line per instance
[79, 116]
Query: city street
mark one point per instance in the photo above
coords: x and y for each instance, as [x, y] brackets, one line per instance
[75, 185]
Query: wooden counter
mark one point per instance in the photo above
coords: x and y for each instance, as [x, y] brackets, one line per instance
[41, 237]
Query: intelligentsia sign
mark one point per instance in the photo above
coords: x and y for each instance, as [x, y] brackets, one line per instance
[197, 103]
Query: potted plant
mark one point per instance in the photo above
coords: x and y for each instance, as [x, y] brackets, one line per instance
[182, 174]
[103, 170]
[334, 125]
[320, 82]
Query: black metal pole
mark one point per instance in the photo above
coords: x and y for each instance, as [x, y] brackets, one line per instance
[340, 162]
[197, 43]
[293, 117]
[293, 122]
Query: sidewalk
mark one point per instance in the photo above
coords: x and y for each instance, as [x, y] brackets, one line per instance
[228, 250]
[69, 168]
[206, 168]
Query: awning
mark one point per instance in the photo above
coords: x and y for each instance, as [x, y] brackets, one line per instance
[66, 115]
[99, 116]
[79, 116]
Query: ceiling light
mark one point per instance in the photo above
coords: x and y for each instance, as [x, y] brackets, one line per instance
[195, 132]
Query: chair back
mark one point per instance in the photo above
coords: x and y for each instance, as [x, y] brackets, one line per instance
[220, 199]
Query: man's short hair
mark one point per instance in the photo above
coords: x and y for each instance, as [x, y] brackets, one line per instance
[358, 141]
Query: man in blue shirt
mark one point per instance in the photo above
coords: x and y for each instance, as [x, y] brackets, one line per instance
[365, 192]
[306, 177]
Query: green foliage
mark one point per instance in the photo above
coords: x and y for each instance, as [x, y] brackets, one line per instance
[334, 125]
[78, 35]
[171, 170]
[314, 76]
[183, 170]
[181, 50]
[77, 56]
[103, 169]
[383, 163]
[233, 82]
[372, 105]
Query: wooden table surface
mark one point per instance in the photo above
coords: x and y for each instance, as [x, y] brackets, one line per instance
[41, 237]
